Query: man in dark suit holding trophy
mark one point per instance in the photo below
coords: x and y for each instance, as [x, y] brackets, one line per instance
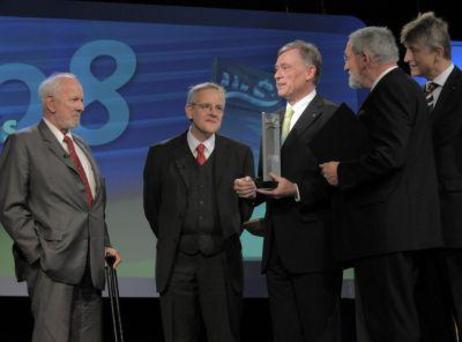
[303, 278]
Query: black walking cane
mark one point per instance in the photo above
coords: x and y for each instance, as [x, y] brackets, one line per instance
[113, 291]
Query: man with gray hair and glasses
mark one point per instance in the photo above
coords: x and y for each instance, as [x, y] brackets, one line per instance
[391, 218]
[197, 218]
[52, 204]
[428, 53]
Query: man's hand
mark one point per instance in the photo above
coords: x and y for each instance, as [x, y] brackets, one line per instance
[329, 172]
[255, 227]
[285, 188]
[245, 187]
[109, 251]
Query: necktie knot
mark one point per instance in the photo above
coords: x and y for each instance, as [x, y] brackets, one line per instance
[430, 87]
[200, 148]
[200, 158]
[70, 146]
[67, 140]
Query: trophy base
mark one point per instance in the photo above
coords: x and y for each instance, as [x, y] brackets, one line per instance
[261, 184]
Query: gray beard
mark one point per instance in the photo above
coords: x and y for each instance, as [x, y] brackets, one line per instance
[354, 83]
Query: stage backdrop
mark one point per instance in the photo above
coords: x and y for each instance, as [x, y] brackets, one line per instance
[136, 64]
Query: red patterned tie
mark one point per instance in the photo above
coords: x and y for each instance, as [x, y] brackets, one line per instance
[76, 161]
[200, 158]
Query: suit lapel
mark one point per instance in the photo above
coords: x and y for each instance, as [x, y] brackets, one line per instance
[221, 156]
[55, 147]
[392, 76]
[182, 156]
[311, 114]
[453, 82]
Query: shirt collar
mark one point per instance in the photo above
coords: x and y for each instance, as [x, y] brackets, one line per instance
[193, 142]
[442, 78]
[56, 132]
[382, 75]
[300, 106]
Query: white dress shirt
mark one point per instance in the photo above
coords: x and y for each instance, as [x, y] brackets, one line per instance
[193, 143]
[82, 156]
[298, 108]
[441, 80]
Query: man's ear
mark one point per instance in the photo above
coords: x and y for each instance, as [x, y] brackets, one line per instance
[366, 58]
[188, 111]
[310, 72]
[439, 52]
[50, 104]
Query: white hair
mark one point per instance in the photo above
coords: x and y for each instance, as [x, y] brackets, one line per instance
[378, 42]
[192, 93]
[51, 85]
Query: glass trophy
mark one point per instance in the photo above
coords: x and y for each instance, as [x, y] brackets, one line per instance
[271, 149]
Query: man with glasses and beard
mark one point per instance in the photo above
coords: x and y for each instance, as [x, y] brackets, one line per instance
[391, 218]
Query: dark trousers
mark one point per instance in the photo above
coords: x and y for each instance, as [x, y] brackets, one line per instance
[389, 297]
[198, 289]
[304, 307]
[451, 265]
[453, 261]
[62, 312]
[442, 295]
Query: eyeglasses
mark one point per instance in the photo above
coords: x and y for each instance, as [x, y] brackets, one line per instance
[209, 106]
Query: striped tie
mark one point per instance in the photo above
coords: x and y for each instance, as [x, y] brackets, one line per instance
[429, 89]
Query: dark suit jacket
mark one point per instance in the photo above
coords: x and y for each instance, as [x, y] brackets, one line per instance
[43, 207]
[391, 192]
[166, 182]
[302, 230]
[447, 139]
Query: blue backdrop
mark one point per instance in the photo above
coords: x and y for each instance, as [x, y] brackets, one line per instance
[136, 75]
